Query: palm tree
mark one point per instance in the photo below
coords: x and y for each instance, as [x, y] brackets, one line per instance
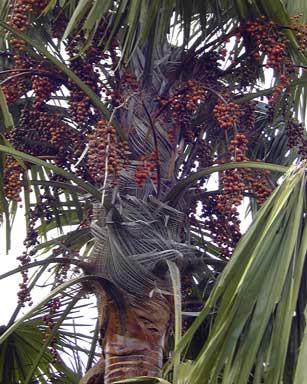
[114, 116]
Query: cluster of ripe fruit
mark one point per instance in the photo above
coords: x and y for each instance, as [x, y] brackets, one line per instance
[227, 114]
[181, 106]
[269, 40]
[222, 222]
[107, 156]
[54, 306]
[19, 17]
[80, 107]
[12, 179]
[219, 212]
[297, 137]
[147, 171]
[24, 294]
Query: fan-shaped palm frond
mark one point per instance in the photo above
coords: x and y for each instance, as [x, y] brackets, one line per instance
[18, 354]
[27, 346]
[259, 296]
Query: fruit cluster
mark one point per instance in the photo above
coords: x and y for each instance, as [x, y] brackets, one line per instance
[12, 179]
[233, 188]
[269, 40]
[16, 86]
[30, 241]
[49, 138]
[297, 137]
[106, 154]
[295, 133]
[129, 82]
[301, 32]
[254, 180]
[222, 222]
[238, 147]
[276, 55]
[219, 212]
[147, 170]
[227, 114]
[18, 81]
[54, 306]
[204, 154]
[19, 19]
[258, 185]
[42, 87]
[181, 105]
[24, 294]
[44, 128]
[247, 117]
[81, 108]
[125, 85]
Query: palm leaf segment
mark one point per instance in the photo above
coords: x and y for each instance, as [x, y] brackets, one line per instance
[260, 298]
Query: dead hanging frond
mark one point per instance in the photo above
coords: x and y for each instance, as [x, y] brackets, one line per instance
[134, 241]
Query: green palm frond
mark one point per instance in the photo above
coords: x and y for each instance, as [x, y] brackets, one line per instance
[66, 210]
[19, 352]
[259, 296]
[26, 346]
[296, 8]
[49, 166]
[146, 24]
[174, 194]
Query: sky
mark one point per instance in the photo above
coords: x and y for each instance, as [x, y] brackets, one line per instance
[9, 286]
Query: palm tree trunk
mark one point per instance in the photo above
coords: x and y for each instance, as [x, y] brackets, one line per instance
[136, 349]
[133, 337]
[133, 342]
